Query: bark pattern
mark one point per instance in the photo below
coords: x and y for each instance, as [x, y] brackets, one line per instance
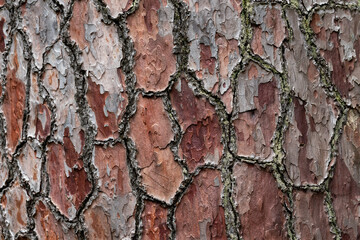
[179, 119]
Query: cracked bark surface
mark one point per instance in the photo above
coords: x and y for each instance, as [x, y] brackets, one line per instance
[179, 119]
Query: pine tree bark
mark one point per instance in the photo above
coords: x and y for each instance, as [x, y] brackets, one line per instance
[179, 119]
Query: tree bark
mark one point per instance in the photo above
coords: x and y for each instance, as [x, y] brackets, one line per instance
[179, 119]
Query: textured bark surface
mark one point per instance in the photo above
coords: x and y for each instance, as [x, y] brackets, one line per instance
[179, 119]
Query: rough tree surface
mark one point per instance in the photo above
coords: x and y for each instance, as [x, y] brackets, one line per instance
[180, 119]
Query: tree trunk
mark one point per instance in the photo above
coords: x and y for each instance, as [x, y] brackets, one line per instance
[179, 119]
